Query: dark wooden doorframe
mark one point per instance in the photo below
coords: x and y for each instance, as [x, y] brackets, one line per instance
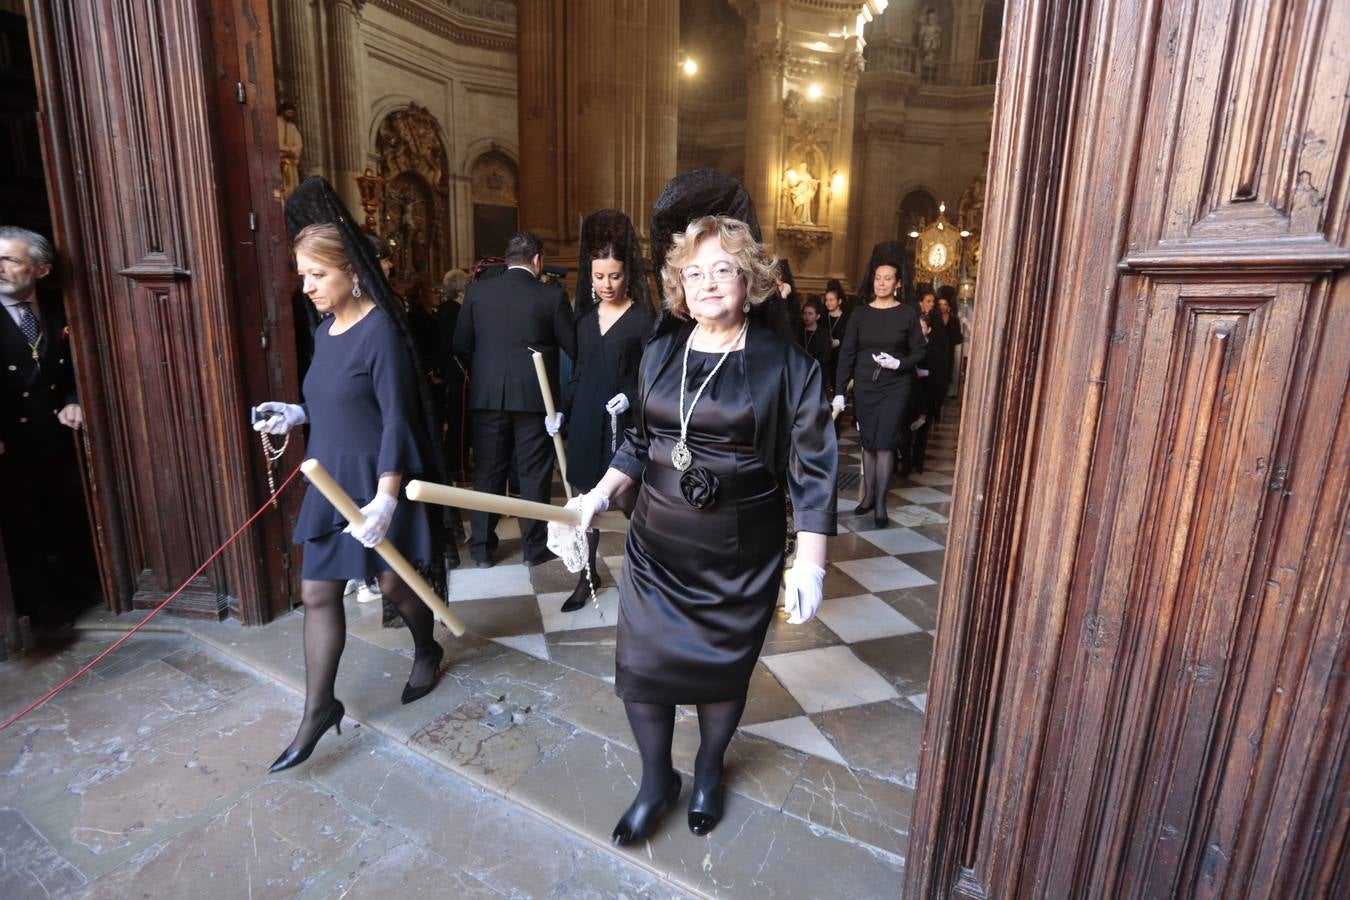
[178, 232]
[1095, 726]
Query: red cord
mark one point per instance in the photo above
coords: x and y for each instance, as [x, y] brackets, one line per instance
[221, 549]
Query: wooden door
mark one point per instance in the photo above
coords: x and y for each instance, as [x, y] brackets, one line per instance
[159, 144]
[1140, 671]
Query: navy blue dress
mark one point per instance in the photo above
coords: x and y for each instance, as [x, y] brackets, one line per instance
[361, 398]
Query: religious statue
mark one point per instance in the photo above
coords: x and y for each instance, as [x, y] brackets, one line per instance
[288, 137]
[930, 40]
[801, 190]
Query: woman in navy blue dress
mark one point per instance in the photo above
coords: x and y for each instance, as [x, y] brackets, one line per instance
[365, 409]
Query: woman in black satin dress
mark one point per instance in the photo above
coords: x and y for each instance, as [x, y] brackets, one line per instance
[881, 347]
[724, 403]
[614, 320]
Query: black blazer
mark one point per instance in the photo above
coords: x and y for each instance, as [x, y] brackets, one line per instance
[502, 319]
[33, 392]
[794, 436]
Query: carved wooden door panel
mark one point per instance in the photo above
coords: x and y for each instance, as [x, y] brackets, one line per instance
[161, 154]
[1139, 685]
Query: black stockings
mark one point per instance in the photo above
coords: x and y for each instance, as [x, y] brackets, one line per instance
[716, 724]
[417, 616]
[879, 466]
[653, 727]
[325, 630]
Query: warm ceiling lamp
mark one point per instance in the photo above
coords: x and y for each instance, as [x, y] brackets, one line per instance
[690, 66]
[814, 91]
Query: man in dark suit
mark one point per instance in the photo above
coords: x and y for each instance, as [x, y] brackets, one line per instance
[503, 319]
[43, 519]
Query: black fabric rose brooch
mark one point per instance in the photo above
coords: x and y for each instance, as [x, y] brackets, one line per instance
[699, 487]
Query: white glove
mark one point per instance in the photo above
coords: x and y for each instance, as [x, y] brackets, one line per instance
[553, 423]
[378, 513]
[590, 504]
[837, 404]
[281, 417]
[617, 405]
[886, 361]
[834, 344]
[922, 373]
[803, 589]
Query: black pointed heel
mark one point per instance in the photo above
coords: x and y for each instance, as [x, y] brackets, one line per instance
[863, 509]
[581, 594]
[705, 808]
[642, 816]
[411, 693]
[881, 520]
[295, 756]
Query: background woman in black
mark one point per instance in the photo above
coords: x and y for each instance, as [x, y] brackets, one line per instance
[880, 349]
[730, 412]
[811, 334]
[614, 319]
[371, 421]
[835, 320]
[930, 386]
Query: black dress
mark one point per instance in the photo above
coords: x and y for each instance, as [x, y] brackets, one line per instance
[881, 396]
[361, 399]
[692, 622]
[606, 365]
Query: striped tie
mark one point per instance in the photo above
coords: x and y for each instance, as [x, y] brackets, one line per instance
[28, 323]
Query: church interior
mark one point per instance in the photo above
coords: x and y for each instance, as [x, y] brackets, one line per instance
[1039, 676]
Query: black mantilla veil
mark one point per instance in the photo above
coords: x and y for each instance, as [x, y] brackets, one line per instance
[888, 253]
[314, 202]
[611, 228]
[706, 192]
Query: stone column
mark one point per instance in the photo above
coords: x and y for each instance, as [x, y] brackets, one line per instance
[843, 160]
[879, 213]
[296, 59]
[764, 130]
[347, 139]
[601, 74]
[662, 110]
[539, 95]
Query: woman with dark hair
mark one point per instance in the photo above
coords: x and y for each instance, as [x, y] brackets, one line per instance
[371, 421]
[880, 350]
[929, 389]
[614, 318]
[835, 320]
[811, 334]
[951, 322]
[729, 413]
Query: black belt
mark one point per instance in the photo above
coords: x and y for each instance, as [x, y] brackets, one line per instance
[666, 480]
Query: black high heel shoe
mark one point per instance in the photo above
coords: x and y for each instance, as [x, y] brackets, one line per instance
[295, 756]
[643, 815]
[581, 593]
[881, 520]
[411, 693]
[705, 808]
[863, 509]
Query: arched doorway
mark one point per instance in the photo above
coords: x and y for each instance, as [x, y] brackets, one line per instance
[493, 179]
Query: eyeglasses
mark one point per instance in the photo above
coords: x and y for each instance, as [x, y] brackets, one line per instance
[721, 273]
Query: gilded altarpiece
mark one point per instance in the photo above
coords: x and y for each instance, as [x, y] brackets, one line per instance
[413, 216]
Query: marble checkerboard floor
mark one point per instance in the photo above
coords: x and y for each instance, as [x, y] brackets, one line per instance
[820, 775]
[829, 688]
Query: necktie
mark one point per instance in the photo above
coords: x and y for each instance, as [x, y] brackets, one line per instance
[28, 323]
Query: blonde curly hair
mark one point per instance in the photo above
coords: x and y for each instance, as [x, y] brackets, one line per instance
[758, 268]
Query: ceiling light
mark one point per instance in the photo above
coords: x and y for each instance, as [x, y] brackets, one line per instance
[690, 66]
[814, 91]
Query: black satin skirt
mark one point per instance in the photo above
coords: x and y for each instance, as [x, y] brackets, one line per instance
[698, 590]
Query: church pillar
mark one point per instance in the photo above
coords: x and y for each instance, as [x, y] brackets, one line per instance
[539, 94]
[764, 128]
[347, 144]
[298, 77]
[878, 215]
[597, 106]
[662, 108]
[839, 181]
